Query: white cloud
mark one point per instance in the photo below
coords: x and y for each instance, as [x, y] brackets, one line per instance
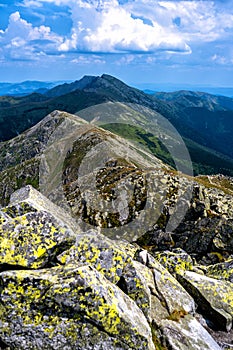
[134, 27]
[90, 59]
[199, 20]
[143, 25]
[126, 60]
[32, 3]
[105, 26]
[222, 60]
[23, 41]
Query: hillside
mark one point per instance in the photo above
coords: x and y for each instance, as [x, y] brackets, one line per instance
[111, 248]
[205, 121]
[209, 116]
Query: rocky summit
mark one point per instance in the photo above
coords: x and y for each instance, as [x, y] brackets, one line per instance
[104, 246]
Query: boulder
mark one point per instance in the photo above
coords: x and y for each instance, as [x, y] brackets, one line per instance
[33, 240]
[186, 333]
[115, 263]
[221, 271]
[137, 282]
[169, 291]
[213, 297]
[28, 199]
[175, 261]
[33, 231]
[172, 313]
[71, 307]
[99, 251]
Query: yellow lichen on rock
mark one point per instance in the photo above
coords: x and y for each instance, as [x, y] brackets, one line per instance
[100, 252]
[60, 301]
[32, 239]
[176, 261]
[214, 297]
[221, 271]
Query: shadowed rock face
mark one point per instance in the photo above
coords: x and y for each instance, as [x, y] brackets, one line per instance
[67, 283]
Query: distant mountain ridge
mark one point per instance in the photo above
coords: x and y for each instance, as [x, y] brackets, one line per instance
[205, 121]
[26, 87]
[67, 88]
[196, 99]
[158, 87]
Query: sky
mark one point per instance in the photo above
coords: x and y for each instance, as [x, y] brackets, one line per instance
[138, 41]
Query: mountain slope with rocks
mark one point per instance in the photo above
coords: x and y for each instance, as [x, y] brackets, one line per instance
[104, 246]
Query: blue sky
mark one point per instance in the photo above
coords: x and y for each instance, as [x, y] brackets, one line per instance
[139, 41]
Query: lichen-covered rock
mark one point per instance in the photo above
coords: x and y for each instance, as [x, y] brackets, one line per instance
[213, 297]
[205, 232]
[33, 230]
[172, 295]
[221, 271]
[224, 238]
[33, 240]
[172, 311]
[115, 264]
[137, 282]
[28, 199]
[100, 252]
[63, 307]
[3, 217]
[18, 209]
[175, 261]
[185, 334]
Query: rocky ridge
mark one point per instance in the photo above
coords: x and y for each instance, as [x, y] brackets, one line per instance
[155, 273]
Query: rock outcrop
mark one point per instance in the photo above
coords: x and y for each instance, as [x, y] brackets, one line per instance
[64, 288]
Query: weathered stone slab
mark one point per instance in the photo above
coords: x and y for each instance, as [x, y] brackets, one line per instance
[33, 240]
[221, 271]
[174, 297]
[65, 306]
[213, 297]
[28, 199]
[33, 230]
[187, 334]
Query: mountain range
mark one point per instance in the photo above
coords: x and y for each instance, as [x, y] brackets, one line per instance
[26, 87]
[152, 88]
[204, 121]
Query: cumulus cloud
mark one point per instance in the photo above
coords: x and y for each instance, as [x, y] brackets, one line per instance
[142, 26]
[199, 20]
[23, 41]
[109, 26]
[128, 27]
[105, 26]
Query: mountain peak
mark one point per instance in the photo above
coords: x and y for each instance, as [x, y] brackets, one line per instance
[67, 88]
